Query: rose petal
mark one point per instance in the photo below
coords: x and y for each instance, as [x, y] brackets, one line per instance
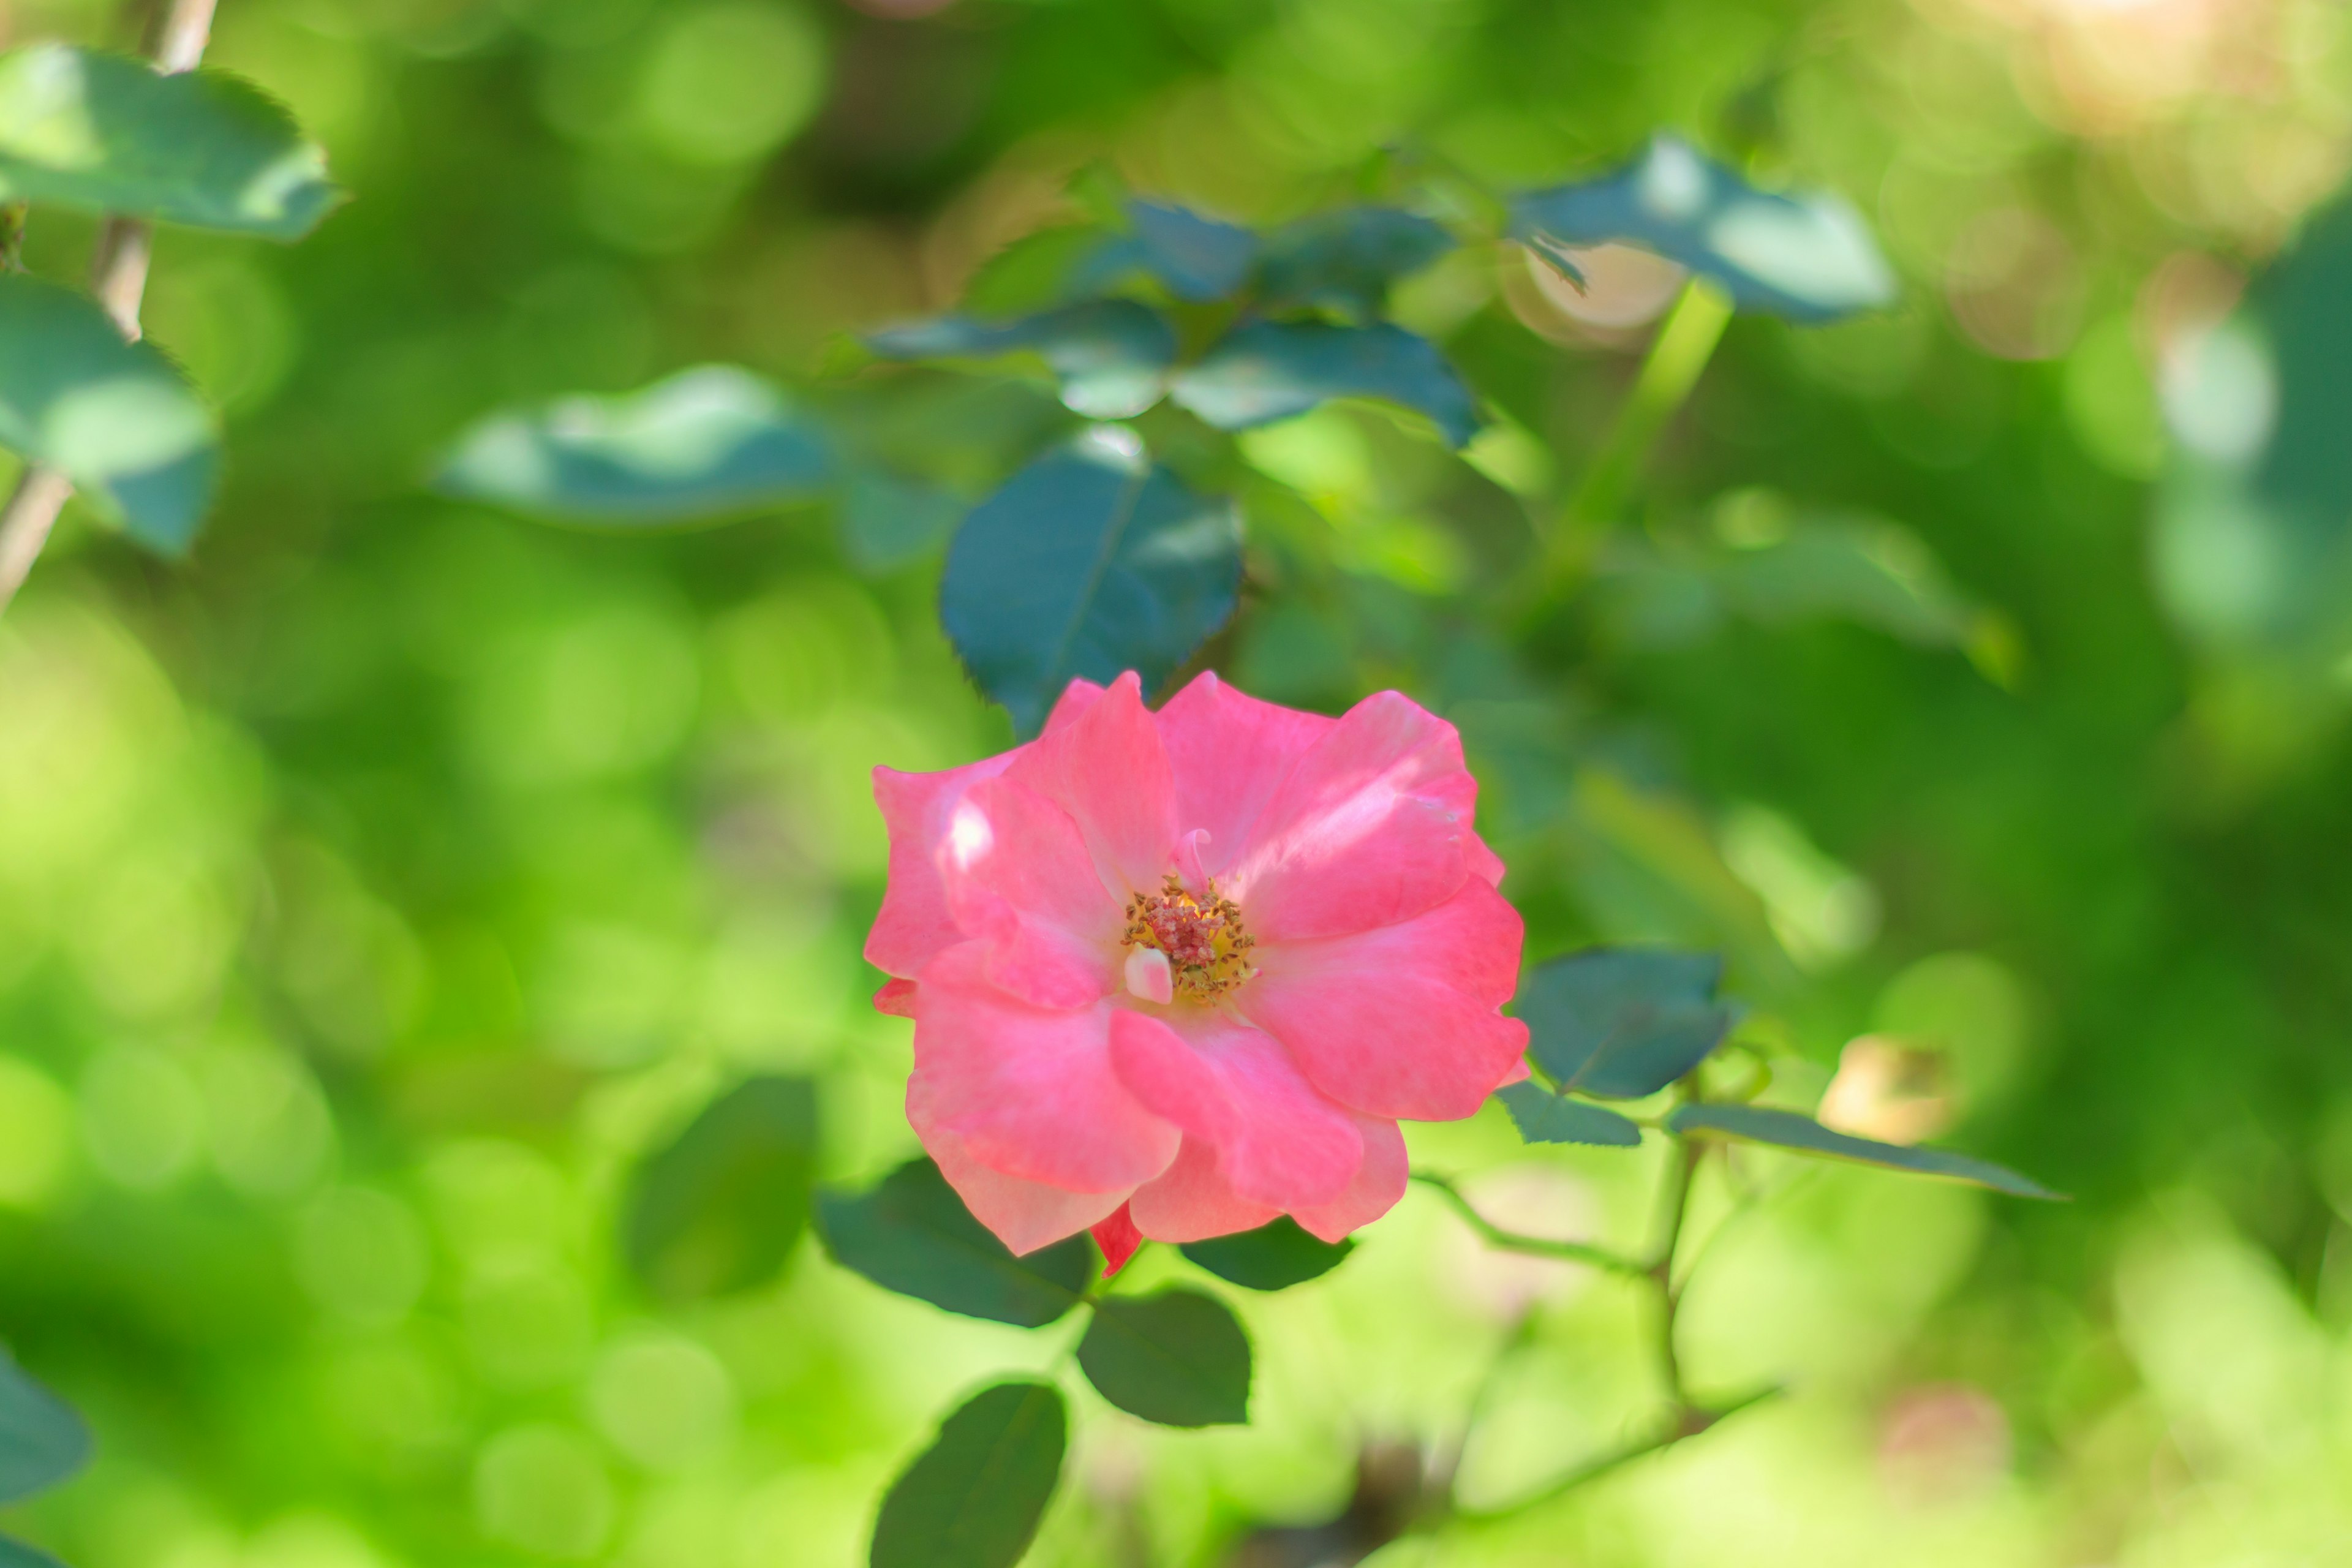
[1024, 1216]
[1191, 1201]
[1030, 1091]
[1371, 826]
[1107, 770]
[914, 926]
[1119, 1239]
[1229, 753]
[1076, 699]
[1017, 877]
[1380, 1182]
[1402, 1021]
[897, 999]
[1278, 1140]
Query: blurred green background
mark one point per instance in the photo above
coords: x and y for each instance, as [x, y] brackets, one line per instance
[377, 888]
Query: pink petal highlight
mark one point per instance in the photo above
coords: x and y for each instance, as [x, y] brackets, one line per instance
[1030, 1091]
[914, 926]
[1380, 1182]
[1278, 1140]
[1191, 1201]
[1402, 1021]
[1118, 1239]
[1108, 771]
[1229, 752]
[1371, 826]
[1024, 1216]
[1017, 877]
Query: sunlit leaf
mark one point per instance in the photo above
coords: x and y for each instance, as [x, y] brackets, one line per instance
[1621, 1023]
[1195, 257]
[974, 1497]
[1090, 561]
[720, 1207]
[911, 1233]
[1111, 356]
[1178, 1358]
[115, 417]
[42, 1441]
[707, 443]
[887, 522]
[107, 134]
[1267, 371]
[1803, 1135]
[1273, 1257]
[1345, 261]
[1809, 257]
[1543, 1117]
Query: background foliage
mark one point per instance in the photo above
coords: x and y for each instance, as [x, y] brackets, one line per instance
[379, 888]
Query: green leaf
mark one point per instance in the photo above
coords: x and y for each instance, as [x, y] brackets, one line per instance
[115, 417]
[1621, 1023]
[1197, 258]
[707, 443]
[886, 522]
[975, 1496]
[42, 1441]
[107, 134]
[1178, 1358]
[17, 1554]
[1809, 257]
[1803, 1135]
[1345, 261]
[911, 1233]
[1111, 356]
[1267, 371]
[1273, 1257]
[720, 1208]
[1543, 1117]
[1090, 561]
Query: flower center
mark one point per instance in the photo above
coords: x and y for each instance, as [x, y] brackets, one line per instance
[1202, 939]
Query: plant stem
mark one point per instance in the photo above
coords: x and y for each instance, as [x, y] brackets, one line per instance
[1685, 343]
[1538, 1246]
[118, 278]
[1684, 1167]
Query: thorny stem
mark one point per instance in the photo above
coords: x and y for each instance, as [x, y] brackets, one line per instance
[119, 279]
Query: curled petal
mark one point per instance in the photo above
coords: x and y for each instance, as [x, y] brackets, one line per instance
[1017, 876]
[1278, 1140]
[1192, 1200]
[1402, 1021]
[1024, 1216]
[914, 926]
[1229, 753]
[1029, 1090]
[1107, 770]
[1379, 1182]
[1372, 826]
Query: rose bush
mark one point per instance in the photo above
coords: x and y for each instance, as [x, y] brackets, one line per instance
[1175, 973]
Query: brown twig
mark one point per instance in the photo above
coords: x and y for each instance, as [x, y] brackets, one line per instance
[118, 276]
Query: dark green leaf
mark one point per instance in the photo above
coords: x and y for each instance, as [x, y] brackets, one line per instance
[975, 1496]
[1543, 1117]
[887, 522]
[707, 443]
[1088, 561]
[1267, 371]
[17, 1554]
[115, 417]
[1271, 1257]
[1621, 1023]
[42, 1441]
[1178, 1358]
[1809, 258]
[1111, 356]
[107, 134]
[1803, 1135]
[912, 1235]
[1196, 257]
[1345, 260]
[719, 1209]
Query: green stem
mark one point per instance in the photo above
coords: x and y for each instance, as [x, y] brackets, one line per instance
[1538, 1246]
[1685, 343]
[1684, 1167]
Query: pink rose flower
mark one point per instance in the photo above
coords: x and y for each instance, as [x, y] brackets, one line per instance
[1174, 974]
